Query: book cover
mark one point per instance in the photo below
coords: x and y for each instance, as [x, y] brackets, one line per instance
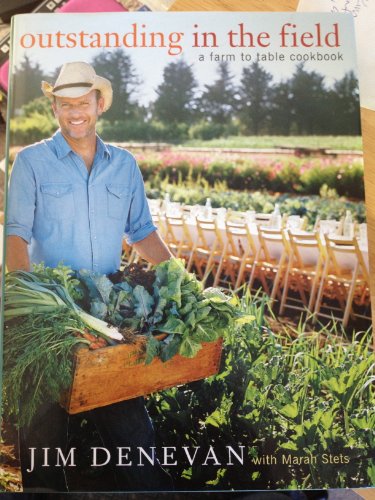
[245, 130]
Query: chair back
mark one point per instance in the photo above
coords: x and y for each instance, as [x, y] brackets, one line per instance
[177, 235]
[209, 237]
[239, 239]
[306, 248]
[344, 255]
[273, 243]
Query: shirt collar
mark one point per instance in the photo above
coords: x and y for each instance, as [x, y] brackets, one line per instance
[63, 148]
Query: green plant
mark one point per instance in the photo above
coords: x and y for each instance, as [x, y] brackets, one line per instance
[304, 400]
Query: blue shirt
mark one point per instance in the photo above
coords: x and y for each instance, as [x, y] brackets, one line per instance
[67, 214]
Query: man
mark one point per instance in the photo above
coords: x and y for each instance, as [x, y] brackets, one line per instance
[71, 199]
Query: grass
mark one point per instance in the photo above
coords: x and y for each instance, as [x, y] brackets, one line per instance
[267, 141]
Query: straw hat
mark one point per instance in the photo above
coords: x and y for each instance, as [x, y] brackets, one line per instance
[77, 79]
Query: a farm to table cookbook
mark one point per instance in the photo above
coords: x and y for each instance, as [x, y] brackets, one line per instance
[251, 348]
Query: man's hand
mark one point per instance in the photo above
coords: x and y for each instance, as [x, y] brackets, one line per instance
[153, 249]
[17, 257]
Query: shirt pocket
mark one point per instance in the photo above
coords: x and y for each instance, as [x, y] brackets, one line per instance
[118, 199]
[58, 200]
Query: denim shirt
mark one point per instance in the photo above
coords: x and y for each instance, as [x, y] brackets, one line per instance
[69, 215]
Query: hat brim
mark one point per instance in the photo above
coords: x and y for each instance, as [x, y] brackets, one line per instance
[100, 83]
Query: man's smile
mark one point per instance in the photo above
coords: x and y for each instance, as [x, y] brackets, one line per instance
[77, 122]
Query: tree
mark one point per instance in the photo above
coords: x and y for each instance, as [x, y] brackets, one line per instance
[28, 77]
[39, 106]
[175, 103]
[344, 105]
[309, 101]
[218, 101]
[255, 93]
[281, 112]
[118, 68]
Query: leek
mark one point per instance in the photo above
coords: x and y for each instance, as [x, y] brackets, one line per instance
[25, 294]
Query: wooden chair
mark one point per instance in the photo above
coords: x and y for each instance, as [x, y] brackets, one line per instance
[328, 226]
[304, 269]
[128, 256]
[208, 249]
[345, 279]
[262, 219]
[178, 237]
[238, 253]
[159, 221]
[295, 222]
[270, 260]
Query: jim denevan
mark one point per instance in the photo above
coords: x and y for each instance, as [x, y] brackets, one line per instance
[126, 456]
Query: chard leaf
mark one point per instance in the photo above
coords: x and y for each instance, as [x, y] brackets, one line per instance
[176, 272]
[169, 350]
[202, 334]
[98, 285]
[152, 349]
[189, 348]
[216, 295]
[161, 304]
[190, 319]
[143, 302]
[173, 325]
[161, 274]
[203, 313]
[186, 309]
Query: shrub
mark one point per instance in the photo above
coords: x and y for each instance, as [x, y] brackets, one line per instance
[206, 131]
[28, 129]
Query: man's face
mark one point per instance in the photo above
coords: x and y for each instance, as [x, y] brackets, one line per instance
[77, 116]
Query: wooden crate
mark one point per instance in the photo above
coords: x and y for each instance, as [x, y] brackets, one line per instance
[112, 374]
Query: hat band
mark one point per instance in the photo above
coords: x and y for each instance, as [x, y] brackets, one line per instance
[71, 85]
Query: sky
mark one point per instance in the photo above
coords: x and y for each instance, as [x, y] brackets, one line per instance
[263, 32]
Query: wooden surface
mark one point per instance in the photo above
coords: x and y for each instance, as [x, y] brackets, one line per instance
[368, 136]
[106, 376]
[235, 5]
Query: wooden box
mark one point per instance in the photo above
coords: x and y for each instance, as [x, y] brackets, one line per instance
[112, 374]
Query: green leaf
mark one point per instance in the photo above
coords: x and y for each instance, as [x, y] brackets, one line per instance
[176, 271]
[173, 325]
[162, 303]
[290, 410]
[202, 334]
[170, 349]
[98, 285]
[189, 348]
[143, 302]
[245, 319]
[152, 349]
[98, 309]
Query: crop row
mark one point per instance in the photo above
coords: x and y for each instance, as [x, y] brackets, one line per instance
[292, 175]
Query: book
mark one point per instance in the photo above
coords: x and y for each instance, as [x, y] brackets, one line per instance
[238, 126]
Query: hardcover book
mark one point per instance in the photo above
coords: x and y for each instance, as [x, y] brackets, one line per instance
[186, 295]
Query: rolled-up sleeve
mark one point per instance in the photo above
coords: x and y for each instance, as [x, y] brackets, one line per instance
[139, 223]
[21, 200]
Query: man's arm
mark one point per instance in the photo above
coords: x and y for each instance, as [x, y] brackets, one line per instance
[153, 249]
[17, 257]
